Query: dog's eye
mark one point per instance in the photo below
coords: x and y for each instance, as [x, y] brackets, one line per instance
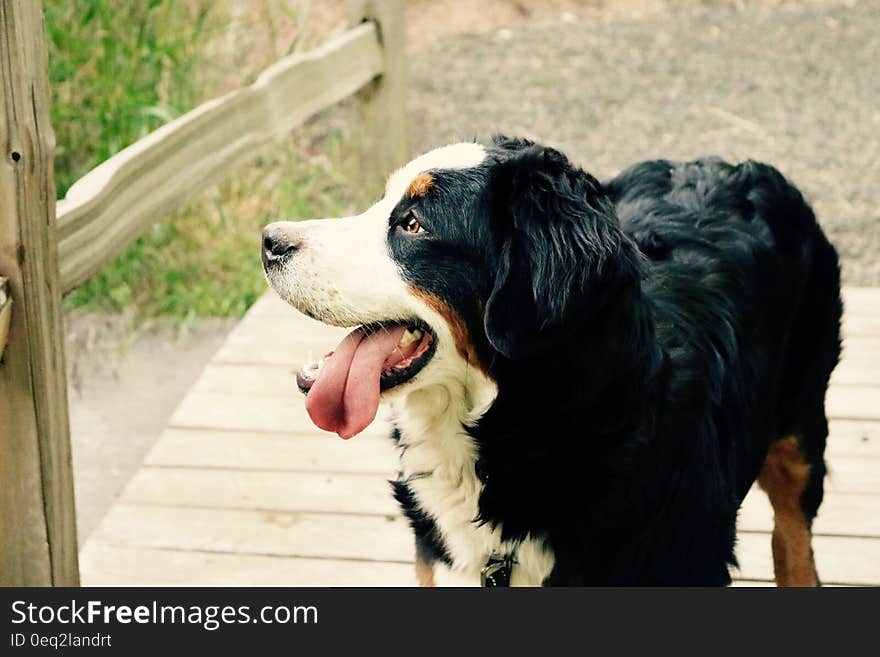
[411, 224]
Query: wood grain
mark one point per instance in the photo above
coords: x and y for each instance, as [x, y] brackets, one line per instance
[383, 144]
[249, 489]
[278, 533]
[104, 564]
[295, 452]
[245, 413]
[37, 523]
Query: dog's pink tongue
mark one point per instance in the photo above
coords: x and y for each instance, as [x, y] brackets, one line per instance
[345, 397]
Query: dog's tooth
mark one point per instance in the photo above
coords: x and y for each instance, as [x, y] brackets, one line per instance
[409, 337]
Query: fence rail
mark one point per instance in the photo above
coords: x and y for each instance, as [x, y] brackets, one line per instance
[112, 204]
[44, 254]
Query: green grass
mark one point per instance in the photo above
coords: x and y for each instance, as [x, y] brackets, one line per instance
[120, 69]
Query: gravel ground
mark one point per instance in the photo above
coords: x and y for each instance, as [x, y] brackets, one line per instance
[793, 84]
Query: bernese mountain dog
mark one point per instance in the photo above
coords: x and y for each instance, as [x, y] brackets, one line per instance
[585, 378]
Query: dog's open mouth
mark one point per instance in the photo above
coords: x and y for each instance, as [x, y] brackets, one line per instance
[343, 389]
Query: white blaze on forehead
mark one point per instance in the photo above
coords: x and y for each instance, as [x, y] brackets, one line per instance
[455, 156]
[345, 275]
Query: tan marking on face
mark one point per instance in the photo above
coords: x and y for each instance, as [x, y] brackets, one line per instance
[420, 185]
[784, 477]
[464, 342]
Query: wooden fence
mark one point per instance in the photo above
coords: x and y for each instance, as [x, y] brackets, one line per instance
[42, 256]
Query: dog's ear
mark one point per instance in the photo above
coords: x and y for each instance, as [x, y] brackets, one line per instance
[559, 249]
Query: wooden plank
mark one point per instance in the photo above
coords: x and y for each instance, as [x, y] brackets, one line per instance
[248, 489]
[251, 380]
[853, 475]
[104, 564]
[245, 413]
[853, 402]
[271, 305]
[290, 320]
[839, 560]
[841, 514]
[861, 314]
[861, 325]
[280, 343]
[860, 363]
[274, 333]
[278, 533]
[267, 451]
[853, 439]
[861, 300]
[110, 206]
[37, 523]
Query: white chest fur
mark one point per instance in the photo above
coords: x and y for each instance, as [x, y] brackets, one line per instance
[438, 460]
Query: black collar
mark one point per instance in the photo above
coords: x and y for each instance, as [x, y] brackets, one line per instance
[496, 572]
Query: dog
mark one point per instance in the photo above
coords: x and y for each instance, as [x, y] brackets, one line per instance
[585, 378]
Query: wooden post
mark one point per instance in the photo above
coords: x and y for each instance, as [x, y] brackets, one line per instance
[382, 138]
[37, 520]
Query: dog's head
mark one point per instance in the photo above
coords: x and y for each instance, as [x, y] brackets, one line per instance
[476, 256]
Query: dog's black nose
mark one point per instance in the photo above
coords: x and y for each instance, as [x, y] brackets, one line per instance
[279, 241]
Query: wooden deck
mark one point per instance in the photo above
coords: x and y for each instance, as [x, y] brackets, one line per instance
[243, 490]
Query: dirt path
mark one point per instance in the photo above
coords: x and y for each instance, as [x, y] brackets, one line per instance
[793, 84]
[123, 387]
